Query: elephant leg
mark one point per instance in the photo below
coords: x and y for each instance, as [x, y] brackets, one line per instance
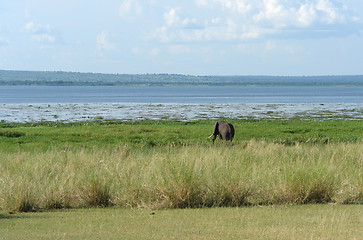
[229, 137]
[222, 136]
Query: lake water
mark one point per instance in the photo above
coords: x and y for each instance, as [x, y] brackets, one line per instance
[190, 95]
[49, 103]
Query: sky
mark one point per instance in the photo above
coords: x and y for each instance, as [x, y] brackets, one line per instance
[194, 37]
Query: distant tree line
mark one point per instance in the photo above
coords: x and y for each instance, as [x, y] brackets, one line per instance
[60, 78]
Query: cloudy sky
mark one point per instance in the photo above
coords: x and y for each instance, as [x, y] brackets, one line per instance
[198, 37]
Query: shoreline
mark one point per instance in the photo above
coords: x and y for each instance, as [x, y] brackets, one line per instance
[79, 112]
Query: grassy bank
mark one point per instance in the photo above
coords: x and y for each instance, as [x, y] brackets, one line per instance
[40, 137]
[171, 164]
[277, 222]
[247, 173]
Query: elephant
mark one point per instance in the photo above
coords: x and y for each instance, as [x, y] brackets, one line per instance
[224, 130]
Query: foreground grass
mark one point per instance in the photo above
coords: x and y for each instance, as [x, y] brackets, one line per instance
[248, 173]
[278, 222]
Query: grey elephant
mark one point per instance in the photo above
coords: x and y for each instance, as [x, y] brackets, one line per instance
[224, 130]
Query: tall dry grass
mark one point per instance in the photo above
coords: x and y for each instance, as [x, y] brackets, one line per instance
[253, 172]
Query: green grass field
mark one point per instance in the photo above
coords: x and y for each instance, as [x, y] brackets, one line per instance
[169, 164]
[39, 137]
[166, 180]
[268, 222]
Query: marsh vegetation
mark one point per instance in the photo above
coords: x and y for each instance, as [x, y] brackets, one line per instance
[166, 164]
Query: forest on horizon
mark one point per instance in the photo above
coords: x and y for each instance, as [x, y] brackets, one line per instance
[62, 78]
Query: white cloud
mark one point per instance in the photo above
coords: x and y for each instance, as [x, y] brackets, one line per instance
[296, 14]
[306, 15]
[240, 6]
[274, 13]
[269, 45]
[331, 13]
[44, 38]
[236, 20]
[201, 2]
[41, 33]
[128, 8]
[103, 43]
[171, 17]
[4, 41]
[179, 49]
[31, 27]
[154, 51]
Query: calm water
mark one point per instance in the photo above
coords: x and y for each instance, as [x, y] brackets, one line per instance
[184, 95]
[69, 104]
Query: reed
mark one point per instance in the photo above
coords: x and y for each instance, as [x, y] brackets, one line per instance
[248, 173]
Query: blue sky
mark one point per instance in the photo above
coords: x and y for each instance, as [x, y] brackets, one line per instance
[198, 37]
